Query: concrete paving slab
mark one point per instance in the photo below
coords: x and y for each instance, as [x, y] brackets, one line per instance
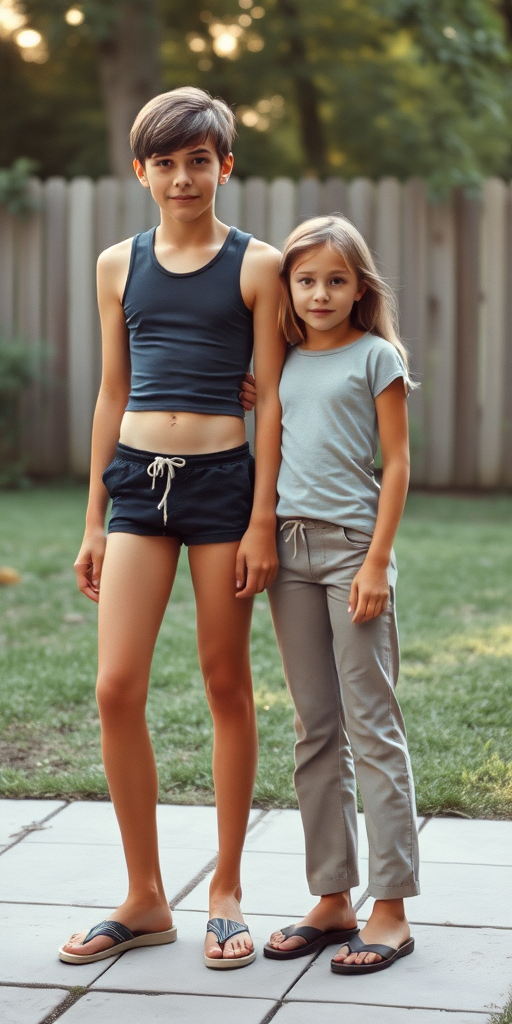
[272, 884]
[180, 967]
[28, 1005]
[461, 894]
[348, 1013]
[117, 1008]
[16, 815]
[30, 937]
[464, 969]
[467, 842]
[86, 875]
[95, 824]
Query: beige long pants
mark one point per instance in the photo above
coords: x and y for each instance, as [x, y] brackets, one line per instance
[348, 722]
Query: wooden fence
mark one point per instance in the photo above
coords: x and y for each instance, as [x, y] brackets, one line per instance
[449, 262]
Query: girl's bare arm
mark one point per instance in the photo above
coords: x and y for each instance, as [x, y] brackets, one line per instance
[369, 594]
[112, 399]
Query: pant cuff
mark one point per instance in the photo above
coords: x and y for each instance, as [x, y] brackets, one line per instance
[393, 892]
[325, 887]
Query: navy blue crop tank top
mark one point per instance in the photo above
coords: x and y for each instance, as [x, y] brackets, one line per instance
[191, 335]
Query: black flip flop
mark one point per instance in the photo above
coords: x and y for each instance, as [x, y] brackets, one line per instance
[388, 954]
[315, 939]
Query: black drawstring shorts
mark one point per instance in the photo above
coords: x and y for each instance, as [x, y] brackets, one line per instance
[200, 499]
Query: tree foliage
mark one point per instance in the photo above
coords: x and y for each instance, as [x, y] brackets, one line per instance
[346, 87]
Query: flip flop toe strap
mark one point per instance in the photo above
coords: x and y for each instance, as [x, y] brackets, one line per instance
[356, 945]
[304, 932]
[113, 929]
[225, 929]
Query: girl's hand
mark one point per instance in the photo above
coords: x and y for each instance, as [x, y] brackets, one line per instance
[247, 395]
[369, 593]
[256, 560]
[89, 563]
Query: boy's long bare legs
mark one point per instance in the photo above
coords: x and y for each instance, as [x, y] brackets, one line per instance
[138, 574]
[223, 627]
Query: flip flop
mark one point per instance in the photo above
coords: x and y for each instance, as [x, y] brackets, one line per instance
[315, 939]
[124, 939]
[224, 929]
[388, 954]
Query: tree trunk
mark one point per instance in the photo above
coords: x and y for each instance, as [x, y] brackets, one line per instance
[306, 92]
[130, 74]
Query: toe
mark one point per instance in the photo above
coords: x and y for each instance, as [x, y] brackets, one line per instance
[341, 955]
[214, 951]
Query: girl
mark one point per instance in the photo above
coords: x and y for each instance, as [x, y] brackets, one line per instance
[181, 307]
[343, 388]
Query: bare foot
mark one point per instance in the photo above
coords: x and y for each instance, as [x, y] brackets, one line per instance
[138, 917]
[333, 913]
[387, 926]
[240, 945]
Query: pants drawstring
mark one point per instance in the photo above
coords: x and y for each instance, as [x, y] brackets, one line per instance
[157, 468]
[296, 525]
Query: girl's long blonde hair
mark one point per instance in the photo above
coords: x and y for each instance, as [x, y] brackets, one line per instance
[376, 310]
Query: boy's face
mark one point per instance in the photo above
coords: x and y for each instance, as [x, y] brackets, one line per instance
[184, 182]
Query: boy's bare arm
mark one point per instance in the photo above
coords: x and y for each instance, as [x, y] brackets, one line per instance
[257, 556]
[110, 406]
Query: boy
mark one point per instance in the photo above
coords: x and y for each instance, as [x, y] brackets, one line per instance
[180, 307]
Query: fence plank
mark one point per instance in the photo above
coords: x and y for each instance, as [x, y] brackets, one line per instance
[54, 424]
[133, 207]
[107, 213]
[388, 218]
[308, 199]
[492, 340]
[254, 208]
[361, 195]
[7, 276]
[81, 312]
[507, 397]
[413, 305]
[282, 215]
[334, 198]
[468, 215]
[30, 320]
[441, 349]
[228, 205]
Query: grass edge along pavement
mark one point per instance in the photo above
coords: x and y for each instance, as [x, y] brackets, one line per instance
[454, 599]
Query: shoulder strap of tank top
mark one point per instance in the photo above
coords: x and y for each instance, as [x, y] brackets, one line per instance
[238, 246]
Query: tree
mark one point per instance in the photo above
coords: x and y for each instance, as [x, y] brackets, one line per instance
[346, 87]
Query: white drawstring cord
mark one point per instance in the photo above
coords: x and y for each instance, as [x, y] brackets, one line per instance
[157, 468]
[295, 525]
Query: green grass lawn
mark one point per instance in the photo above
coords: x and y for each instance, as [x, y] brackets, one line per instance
[454, 602]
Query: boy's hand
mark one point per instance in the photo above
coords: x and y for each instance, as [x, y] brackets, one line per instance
[256, 561]
[369, 593]
[89, 563]
[247, 395]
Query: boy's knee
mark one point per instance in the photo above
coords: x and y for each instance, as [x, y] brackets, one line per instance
[225, 688]
[117, 694]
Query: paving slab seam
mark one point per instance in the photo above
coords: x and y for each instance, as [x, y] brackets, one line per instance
[173, 992]
[66, 1004]
[272, 1012]
[385, 1006]
[36, 826]
[453, 924]
[34, 984]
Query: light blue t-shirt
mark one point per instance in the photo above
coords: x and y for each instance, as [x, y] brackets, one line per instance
[330, 434]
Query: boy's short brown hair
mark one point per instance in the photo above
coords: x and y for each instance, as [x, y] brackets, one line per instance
[179, 118]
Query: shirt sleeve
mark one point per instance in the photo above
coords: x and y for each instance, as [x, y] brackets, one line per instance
[385, 367]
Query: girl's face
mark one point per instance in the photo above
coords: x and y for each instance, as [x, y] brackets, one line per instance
[323, 290]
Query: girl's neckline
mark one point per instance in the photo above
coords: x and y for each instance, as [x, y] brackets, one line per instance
[191, 273]
[330, 351]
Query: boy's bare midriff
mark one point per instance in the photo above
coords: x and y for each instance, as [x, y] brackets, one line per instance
[181, 433]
